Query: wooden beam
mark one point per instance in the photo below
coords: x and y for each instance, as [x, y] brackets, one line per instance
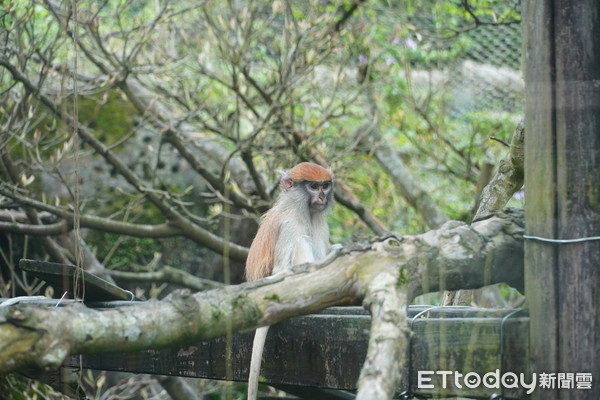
[328, 349]
[540, 182]
[61, 276]
[562, 188]
[577, 33]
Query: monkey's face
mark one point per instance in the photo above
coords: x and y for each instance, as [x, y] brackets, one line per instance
[319, 194]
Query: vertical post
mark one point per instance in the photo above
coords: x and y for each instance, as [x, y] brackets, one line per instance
[562, 187]
[540, 184]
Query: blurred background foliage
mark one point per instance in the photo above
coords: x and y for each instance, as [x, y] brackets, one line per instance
[270, 82]
[248, 88]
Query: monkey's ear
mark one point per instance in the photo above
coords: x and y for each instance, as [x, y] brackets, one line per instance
[286, 183]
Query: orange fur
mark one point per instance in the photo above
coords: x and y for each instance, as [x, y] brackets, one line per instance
[307, 171]
[262, 251]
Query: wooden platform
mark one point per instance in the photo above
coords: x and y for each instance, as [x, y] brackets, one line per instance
[306, 354]
[327, 350]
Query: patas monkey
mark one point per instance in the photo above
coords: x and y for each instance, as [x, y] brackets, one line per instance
[294, 231]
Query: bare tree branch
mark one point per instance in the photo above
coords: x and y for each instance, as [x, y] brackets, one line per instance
[87, 221]
[11, 170]
[337, 27]
[403, 179]
[169, 275]
[182, 223]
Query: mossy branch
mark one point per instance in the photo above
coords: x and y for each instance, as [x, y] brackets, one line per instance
[386, 274]
[508, 178]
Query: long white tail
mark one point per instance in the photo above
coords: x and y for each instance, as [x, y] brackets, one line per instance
[257, 351]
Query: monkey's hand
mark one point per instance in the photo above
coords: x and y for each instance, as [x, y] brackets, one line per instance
[334, 252]
[335, 248]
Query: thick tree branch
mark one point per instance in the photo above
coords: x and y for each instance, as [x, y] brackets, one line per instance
[389, 339]
[387, 275]
[508, 178]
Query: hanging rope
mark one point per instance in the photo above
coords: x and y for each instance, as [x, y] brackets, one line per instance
[78, 283]
[78, 279]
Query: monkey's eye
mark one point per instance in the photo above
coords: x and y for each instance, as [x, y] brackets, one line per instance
[326, 185]
[314, 186]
